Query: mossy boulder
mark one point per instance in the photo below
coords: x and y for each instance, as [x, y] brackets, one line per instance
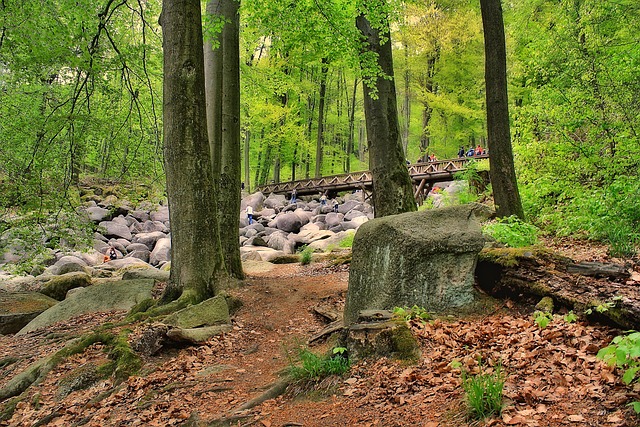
[423, 258]
[116, 295]
[19, 308]
[58, 286]
[213, 311]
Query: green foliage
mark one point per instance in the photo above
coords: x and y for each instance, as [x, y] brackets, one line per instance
[415, 312]
[347, 242]
[512, 232]
[32, 238]
[483, 392]
[603, 307]
[624, 352]
[570, 317]
[311, 367]
[306, 255]
[542, 319]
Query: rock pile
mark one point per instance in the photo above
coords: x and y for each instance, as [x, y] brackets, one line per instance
[142, 242]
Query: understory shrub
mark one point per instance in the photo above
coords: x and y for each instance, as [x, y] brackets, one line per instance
[305, 255]
[624, 352]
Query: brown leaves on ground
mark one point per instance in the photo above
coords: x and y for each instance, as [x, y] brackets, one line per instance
[552, 375]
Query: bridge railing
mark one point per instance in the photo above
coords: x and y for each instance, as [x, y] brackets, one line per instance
[438, 171]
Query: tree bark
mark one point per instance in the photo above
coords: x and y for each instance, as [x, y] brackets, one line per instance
[195, 253]
[392, 188]
[320, 139]
[213, 90]
[502, 171]
[229, 203]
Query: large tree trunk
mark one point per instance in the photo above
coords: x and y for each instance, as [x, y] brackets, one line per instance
[229, 203]
[392, 188]
[320, 139]
[195, 253]
[502, 172]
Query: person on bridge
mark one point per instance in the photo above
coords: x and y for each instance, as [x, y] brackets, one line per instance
[249, 212]
[433, 158]
[471, 152]
[461, 151]
[478, 150]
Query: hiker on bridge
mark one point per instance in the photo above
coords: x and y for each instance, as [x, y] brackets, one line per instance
[461, 152]
[471, 152]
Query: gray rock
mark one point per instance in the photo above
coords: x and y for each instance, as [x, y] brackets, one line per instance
[141, 254]
[148, 239]
[116, 295]
[63, 262]
[423, 258]
[146, 273]
[140, 215]
[18, 308]
[275, 201]
[153, 226]
[280, 241]
[98, 214]
[161, 252]
[289, 222]
[115, 230]
[332, 219]
[161, 214]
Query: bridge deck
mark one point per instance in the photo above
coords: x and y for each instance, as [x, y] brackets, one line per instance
[423, 175]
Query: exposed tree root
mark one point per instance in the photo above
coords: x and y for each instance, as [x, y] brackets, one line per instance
[124, 362]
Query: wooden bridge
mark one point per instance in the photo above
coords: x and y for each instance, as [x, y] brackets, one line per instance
[423, 176]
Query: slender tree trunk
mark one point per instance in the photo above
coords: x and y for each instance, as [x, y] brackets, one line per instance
[196, 255]
[407, 101]
[352, 115]
[213, 88]
[247, 176]
[320, 139]
[229, 203]
[502, 173]
[392, 188]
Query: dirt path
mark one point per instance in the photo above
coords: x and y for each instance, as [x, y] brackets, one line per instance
[553, 377]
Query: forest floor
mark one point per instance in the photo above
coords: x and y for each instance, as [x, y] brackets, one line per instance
[553, 377]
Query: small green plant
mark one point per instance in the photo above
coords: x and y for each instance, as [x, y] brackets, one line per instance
[483, 392]
[570, 317]
[542, 319]
[415, 312]
[624, 352]
[605, 306]
[312, 367]
[512, 231]
[305, 255]
[347, 242]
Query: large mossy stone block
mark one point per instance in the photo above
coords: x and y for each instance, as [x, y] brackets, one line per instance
[58, 286]
[423, 258]
[19, 308]
[108, 296]
[214, 311]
